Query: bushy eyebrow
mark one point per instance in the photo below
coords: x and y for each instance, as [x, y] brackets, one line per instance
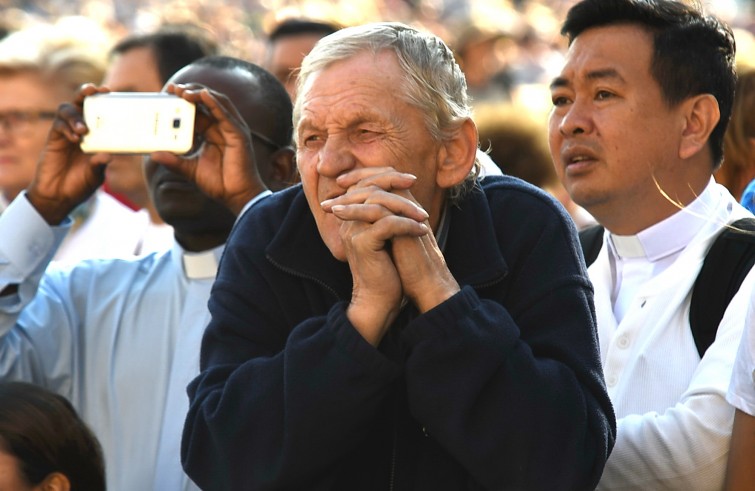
[602, 74]
[355, 120]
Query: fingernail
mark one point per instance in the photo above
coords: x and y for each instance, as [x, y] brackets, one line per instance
[338, 208]
[326, 203]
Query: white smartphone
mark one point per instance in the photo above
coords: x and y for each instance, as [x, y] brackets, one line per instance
[138, 122]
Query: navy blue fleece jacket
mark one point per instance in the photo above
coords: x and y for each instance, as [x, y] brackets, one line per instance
[499, 387]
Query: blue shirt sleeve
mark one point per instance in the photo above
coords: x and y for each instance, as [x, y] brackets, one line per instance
[27, 246]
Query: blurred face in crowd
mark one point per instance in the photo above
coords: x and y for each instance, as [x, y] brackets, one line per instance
[133, 71]
[285, 55]
[350, 119]
[27, 108]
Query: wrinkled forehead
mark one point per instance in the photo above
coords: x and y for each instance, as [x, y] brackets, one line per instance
[376, 76]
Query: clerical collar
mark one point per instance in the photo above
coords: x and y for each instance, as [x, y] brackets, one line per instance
[199, 265]
[670, 235]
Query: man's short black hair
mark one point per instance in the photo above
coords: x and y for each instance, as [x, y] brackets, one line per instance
[174, 46]
[693, 53]
[295, 27]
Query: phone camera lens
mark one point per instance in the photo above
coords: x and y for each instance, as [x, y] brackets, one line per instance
[176, 123]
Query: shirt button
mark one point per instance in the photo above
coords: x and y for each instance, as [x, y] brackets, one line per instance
[623, 341]
[611, 380]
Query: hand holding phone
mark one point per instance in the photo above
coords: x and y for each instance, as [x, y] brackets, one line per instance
[138, 122]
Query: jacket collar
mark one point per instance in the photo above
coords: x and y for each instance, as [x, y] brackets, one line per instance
[471, 250]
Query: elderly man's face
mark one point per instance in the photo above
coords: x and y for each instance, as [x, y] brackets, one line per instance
[351, 117]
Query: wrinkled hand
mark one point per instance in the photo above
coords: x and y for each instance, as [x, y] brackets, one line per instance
[389, 246]
[66, 176]
[425, 277]
[224, 167]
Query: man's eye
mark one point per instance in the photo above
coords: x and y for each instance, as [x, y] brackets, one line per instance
[364, 134]
[559, 100]
[15, 117]
[603, 94]
[311, 140]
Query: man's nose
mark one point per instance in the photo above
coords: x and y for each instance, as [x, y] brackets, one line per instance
[576, 120]
[335, 157]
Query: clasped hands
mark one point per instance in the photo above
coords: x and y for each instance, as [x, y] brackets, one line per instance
[390, 247]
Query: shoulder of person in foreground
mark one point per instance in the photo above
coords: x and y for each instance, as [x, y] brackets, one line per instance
[526, 209]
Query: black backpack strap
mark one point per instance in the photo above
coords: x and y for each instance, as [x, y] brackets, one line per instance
[591, 240]
[728, 261]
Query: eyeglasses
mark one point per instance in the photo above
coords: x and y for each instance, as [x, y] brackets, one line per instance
[266, 140]
[21, 122]
[199, 143]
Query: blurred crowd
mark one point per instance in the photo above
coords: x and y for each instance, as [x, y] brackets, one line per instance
[509, 51]
[506, 42]
[507, 47]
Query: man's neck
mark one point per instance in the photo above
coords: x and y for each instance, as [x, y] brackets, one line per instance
[154, 217]
[644, 212]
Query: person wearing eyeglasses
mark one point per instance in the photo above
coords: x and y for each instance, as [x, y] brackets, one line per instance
[42, 66]
[121, 338]
[30, 91]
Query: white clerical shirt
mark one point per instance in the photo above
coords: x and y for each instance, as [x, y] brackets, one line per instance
[673, 422]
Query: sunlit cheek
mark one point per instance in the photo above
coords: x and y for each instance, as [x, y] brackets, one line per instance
[554, 135]
[308, 174]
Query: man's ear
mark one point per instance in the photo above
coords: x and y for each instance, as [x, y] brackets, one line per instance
[457, 155]
[55, 482]
[283, 171]
[701, 115]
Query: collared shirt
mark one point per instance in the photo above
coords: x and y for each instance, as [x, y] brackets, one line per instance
[673, 422]
[637, 258]
[487, 166]
[119, 338]
[111, 230]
